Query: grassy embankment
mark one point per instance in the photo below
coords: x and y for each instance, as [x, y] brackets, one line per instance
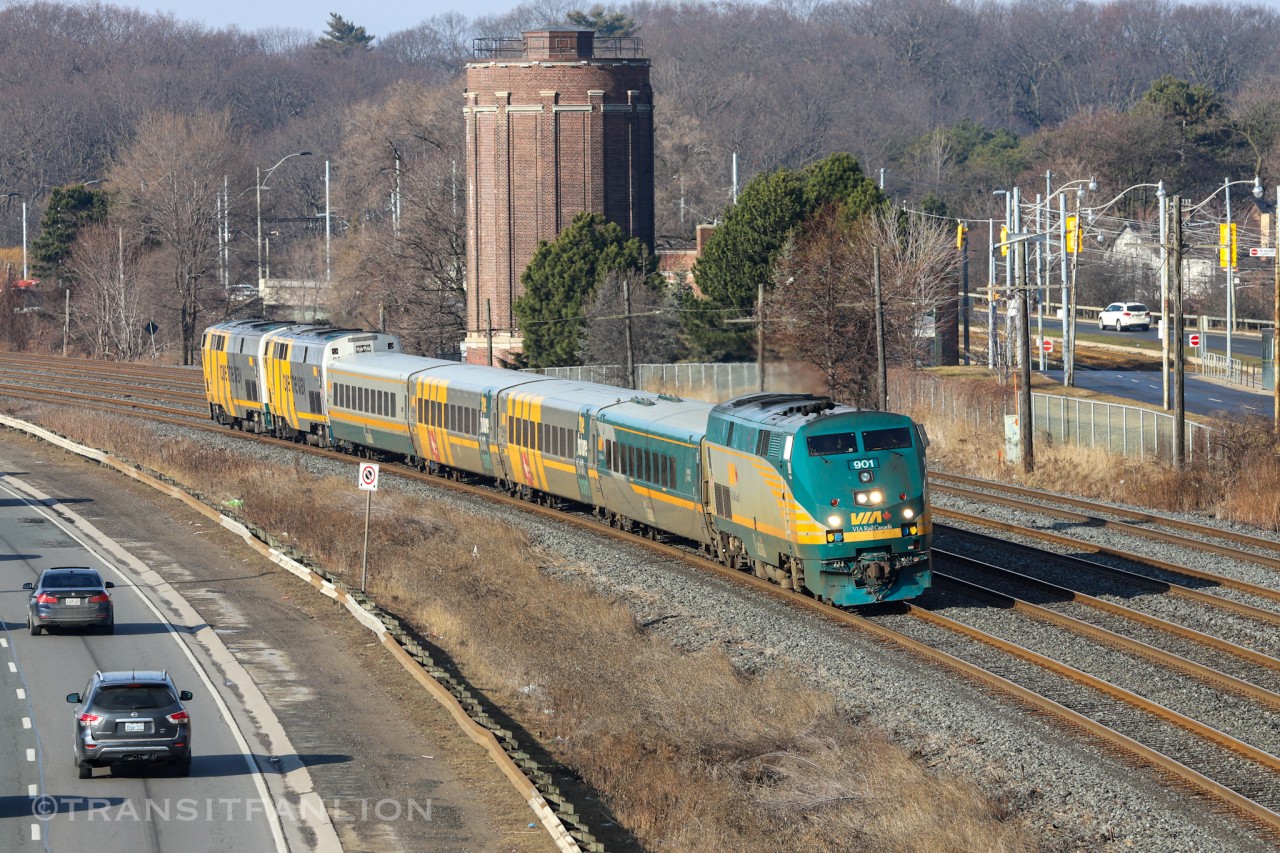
[688, 752]
[1241, 482]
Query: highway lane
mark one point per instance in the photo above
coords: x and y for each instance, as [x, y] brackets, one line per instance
[1241, 344]
[225, 803]
[1202, 397]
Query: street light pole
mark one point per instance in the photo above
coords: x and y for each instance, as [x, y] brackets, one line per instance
[328, 265]
[1231, 279]
[1179, 388]
[259, 178]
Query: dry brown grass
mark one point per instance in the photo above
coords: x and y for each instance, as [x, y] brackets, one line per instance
[688, 752]
[1241, 481]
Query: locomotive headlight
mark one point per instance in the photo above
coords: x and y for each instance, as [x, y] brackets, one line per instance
[871, 498]
[876, 496]
[834, 520]
[908, 513]
[860, 498]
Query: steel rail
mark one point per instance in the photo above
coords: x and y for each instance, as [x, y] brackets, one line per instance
[1183, 775]
[1083, 598]
[1079, 545]
[1135, 530]
[1207, 674]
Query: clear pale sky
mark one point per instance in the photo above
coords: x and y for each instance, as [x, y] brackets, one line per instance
[378, 17]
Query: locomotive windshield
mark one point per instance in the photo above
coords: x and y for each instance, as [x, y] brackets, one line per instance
[896, 438]
[833, 443]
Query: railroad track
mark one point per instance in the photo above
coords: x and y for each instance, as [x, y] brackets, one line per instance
[1132, 522]
[1193, 755]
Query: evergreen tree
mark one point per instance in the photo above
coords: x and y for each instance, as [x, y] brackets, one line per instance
[344, 37]
[606, 24]
[70, 209]
[560, 280]
[740, 254]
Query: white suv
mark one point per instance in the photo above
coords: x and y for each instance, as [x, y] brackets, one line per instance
[1125, 315]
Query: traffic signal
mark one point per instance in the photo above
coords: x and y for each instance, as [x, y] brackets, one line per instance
[1004, 240]
[1073, 234]
[961, 231]
[1227, 245]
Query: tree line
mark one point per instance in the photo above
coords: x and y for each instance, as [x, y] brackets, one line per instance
[950, 100]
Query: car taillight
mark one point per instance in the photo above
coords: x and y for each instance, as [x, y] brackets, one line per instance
[100, 598]
[46, 598]
[88, 719]
[179, 717]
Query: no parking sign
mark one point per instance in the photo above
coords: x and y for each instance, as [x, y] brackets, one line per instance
[368, 477]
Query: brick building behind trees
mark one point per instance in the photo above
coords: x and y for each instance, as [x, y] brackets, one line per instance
[557, 122]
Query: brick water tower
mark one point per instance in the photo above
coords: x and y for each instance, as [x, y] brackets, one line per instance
[558, 122]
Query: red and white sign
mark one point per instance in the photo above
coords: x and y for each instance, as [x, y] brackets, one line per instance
[1194, 340]
[368, 477]
[1047, 345]
[1262, 252]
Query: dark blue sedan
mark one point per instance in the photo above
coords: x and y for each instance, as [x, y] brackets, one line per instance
[71, 597]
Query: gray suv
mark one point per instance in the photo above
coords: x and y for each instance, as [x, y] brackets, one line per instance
[134, 717]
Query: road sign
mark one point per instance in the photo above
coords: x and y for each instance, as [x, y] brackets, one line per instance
[368, 477]
[1262, 252]
[1194, 340]
[1047, 345]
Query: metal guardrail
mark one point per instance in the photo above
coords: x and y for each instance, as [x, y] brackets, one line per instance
[1129, 430]
[1235, 371]
[568, 832]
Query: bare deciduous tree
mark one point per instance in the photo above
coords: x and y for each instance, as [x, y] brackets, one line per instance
[630, 309]
[111, 310]
[403, 190]
[167, 185]
[822, 309]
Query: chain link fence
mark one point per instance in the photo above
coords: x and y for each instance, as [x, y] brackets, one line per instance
[1113, 427]
[716, 382]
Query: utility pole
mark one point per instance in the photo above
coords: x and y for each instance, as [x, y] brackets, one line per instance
[1179, 390]
[1231, 276]
[759, 331]
[631, 351]
[882, 375]
[962, 243]
[1164, 297]
[1275, 327]
[1069, 315]
[991, 294]
[488, 320]
[1017, 275]
[1040, 288]
[1024, 360]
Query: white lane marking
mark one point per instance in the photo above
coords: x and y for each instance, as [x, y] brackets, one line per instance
[35, 832]
[33, 790]
[4, 644]
[31, 755]
[1214, 400]
[13, 667]
[255, 773]
[26, 722]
